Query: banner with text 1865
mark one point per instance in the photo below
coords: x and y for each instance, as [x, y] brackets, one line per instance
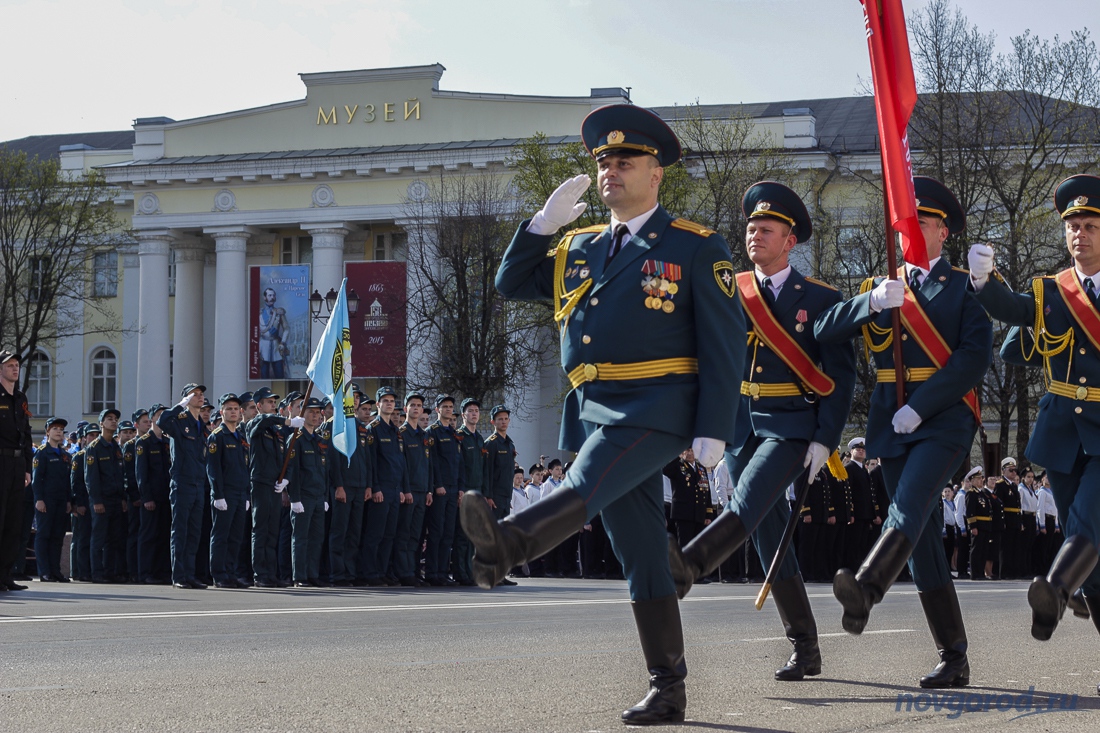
[279, 344]
[378, 329]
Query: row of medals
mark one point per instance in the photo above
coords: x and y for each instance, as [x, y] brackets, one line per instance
[657, 289]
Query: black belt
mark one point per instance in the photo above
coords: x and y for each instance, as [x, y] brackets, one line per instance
[11, 452]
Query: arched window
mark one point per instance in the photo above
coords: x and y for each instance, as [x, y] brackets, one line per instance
[104, 380]
[38, 385]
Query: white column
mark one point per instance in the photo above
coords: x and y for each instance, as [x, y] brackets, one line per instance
[328, 263]
[230, 310]
[187, 319]
[152, 347]
[209, 317]
[131, 301]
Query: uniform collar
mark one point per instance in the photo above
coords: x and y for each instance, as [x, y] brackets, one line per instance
[634, 225]
[777, 279]
[909, 267]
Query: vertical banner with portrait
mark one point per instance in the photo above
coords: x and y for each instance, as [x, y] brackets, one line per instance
[378, 329]
[279, 345]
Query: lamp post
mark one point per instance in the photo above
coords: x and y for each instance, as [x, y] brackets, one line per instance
[329, 302]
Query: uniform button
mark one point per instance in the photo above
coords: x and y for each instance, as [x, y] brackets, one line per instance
[1077, 410]
[594, 301]
[586, 339]
[759, 369]
[1081, 351]
[905, 337]
[1082, 380]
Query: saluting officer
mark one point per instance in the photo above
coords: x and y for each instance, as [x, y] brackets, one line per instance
[947, 344]
[636, 402]
[50, 482]
[105, 476]
[16, 454]
[795, 397]
[391, 482]
[311, 482]
[227, 470]
[1062, 309]
[152, 468]
[450, 480]
[473, 466]
[187, 435]
[80, 551]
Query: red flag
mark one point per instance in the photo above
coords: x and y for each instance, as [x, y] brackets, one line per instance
[895, 97]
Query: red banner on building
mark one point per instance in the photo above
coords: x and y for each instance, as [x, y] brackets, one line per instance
[895, 97]
[378, 333]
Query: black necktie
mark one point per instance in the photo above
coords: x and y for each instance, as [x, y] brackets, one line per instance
[767, 291]
[914, 280]
[1090, 288]
[622, 233]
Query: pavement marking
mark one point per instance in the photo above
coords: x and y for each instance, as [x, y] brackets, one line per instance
[30, 689]
[835, 633]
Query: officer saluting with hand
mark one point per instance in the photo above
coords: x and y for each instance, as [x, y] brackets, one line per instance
[1062, 310]
[636, 403]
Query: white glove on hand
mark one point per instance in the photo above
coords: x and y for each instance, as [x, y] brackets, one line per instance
[221, 505]
[708, 451]
[185, 400]
[562, 207]
[280, 486]
[247, 505]
[297, 507]
[296, 422]
[980, 259]
[816, 455]
[888, 294]
[326, 506]
[906, 420]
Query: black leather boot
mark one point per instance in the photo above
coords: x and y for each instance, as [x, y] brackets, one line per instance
[1048, 596]
[858, 592]
[706, 552]
[662, 638]
[801, 629]
[1076, 603]
[519, 538]
[941, 609]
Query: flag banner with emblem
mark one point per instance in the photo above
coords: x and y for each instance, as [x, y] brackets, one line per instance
[330, 370]
[895, 97]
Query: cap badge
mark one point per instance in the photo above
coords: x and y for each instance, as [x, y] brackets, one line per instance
[1081, 201]
[763, 206]
[615, 137]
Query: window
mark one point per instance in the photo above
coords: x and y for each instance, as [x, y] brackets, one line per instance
[104, 380]
[39, 270]
[38, 385]
[381, 252]
[296, 250]
[106, 274]
[172, 274]
[390, 246]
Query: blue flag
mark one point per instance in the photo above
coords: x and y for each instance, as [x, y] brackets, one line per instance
[330, 370]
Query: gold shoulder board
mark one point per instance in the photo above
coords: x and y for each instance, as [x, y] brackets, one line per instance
[690, 226]
[823, 284]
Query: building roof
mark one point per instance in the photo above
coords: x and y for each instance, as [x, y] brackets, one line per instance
[49, 146]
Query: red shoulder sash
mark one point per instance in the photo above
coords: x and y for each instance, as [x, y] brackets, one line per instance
[1079, 305]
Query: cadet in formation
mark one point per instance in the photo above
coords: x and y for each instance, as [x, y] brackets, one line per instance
[50, 482]
[636, 403]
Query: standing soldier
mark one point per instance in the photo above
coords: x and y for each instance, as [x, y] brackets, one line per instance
[50, 482]
[816, 529]
[310, 477]
[498, 472]
[795, 397]
[152, 468]
[80, 551]
[636, 402]
[129, 433]
[1029, 529]
[105, 477]
[391, 482]
[227, 470]
[473, 467]
[352, 490]
[863, 505]
[1062, 309]
[1008, 492]
[16, 454]
[691, 506]
[979, 522]
[416, 500]
[187, 435]
[450, 477]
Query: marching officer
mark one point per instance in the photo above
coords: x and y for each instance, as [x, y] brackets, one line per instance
[105, 477]
[473, 465]
[16, 454]
[979, 523]
[227, 470]
[1065, 340]
[186, 433]
[50, 481]
[391, 483]
[80, 551]
[152, 470]
[947, 347]
[450, 477]
[636, 403]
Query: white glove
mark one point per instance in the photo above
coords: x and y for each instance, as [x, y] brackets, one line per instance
[562, 207]
[296, 422]
[816, 455]
[185, 400]
[980, 259]
[281, 485]
[297, 507]
[326, 506]
[906, 420]
[247, 505]
[708, 451]
[221, 505]
[888, 294]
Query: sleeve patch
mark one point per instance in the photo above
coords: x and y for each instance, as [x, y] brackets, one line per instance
[724, 276]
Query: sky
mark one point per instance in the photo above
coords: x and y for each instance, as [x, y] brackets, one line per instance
[83, 66]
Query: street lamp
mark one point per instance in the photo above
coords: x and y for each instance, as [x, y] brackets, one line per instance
[329, 302]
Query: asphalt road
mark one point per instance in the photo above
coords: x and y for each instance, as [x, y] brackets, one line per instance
[549, 655]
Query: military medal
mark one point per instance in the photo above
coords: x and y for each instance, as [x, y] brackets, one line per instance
[584, 272]
[659, 283]
[801, 317]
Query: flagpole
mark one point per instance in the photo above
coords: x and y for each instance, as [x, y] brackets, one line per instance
[892, 274]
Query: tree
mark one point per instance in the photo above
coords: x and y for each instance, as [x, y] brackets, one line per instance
[51, 227]
[465, 337]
